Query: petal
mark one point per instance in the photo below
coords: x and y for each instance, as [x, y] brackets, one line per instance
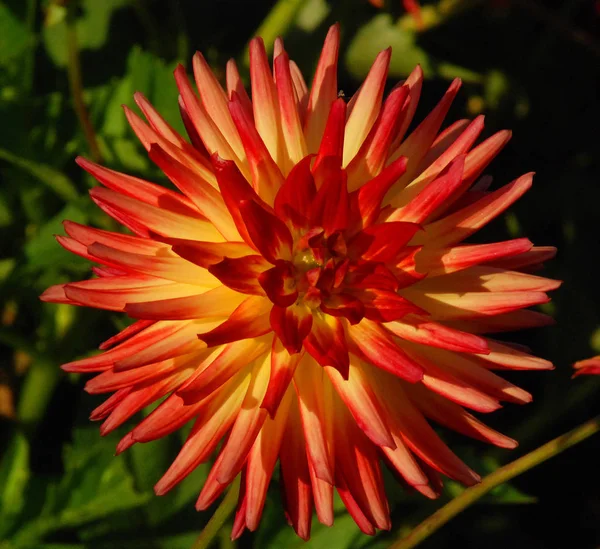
[326, 343]
[249, 320]
[214, 101]
[207, 199]
[283, 366]
[386, 306]
[133, 187]
[211, 136]
[235, 84]
[366, 106]
[314, 392]
[292, 325]
[210, 427]
[171, 268]
[443, 261]
[330, 208]
[206, 254]
[264, 100]
[266, 174]
[268, 233]
[279, 283]
[234, 358]
[262, 459]
[437, 335]
[142, 218]
[290, 118]
[589, 366]
[371, 157]
[382, 242]
[358, 396]
[366, 202]
[295, 196]
[241, 273]
[332, 143]
[418, 142]
[117, 293]
[380, 349]
[458, 226]
[454, 417]
[295, 477]
[212, 304]
[323, 91]
[433, 195]
[459, 147]
[467, 305]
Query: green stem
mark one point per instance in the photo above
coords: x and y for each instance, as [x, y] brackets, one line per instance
[502, 475]
[276, 23]
[219, 518]
[76, 85]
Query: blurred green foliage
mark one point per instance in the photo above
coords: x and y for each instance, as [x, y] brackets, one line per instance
[526, 64]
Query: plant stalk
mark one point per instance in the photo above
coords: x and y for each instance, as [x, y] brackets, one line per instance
[502, 475]
[76, 84]
[221, 515]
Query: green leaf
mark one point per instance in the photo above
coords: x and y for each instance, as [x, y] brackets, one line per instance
[15, 37]
[377, 35]
[43, 251]
[14, 476]
[49, 176]
[92, 29]
[95, 485]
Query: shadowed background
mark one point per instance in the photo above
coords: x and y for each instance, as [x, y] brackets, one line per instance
[528, 65]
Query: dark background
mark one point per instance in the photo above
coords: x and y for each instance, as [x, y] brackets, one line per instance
[529, 65]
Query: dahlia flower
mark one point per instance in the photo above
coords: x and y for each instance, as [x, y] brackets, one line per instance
[589, 366]
[307, 296]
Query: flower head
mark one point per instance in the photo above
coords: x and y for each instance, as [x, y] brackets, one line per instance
[307, 296]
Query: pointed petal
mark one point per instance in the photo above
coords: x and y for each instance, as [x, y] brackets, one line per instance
[142, 218]
[266, 174]
[264, 100]
[249, 320]
[326, 343]
[283, 366]
[290, 118]
[233, 359]
[206, 254]
[214, 101]
[418, 142]
[382, 242]
[371, 157]
[435, 334]
[295, 478]
[358, 396]
[268, 233]
[208, 430]
[313, 390]
[323, 91]
[295, 196]
[458, 226]
[147, 192]
[241, 273]
[366, 106]
[380, 349]
[262, 459]
[292, 325]
[212, 304]
[442, 261]
[207, 199]
[332, 143]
